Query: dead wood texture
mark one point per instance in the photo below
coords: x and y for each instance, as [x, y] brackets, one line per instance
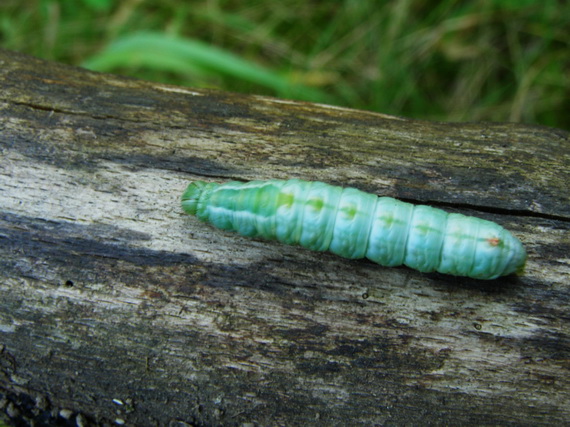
[116, 305]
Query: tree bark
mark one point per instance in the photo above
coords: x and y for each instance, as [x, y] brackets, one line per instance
[118, 307]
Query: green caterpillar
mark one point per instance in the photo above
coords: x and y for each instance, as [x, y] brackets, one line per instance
[355, 224]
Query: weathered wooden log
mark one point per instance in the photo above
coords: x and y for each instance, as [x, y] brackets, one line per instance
[118, 306]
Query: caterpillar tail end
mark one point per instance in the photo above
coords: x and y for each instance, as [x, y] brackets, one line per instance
[191, 196]
[520, 258]
[520, 271]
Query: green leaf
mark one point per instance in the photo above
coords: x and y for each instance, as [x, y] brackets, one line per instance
[167, 53]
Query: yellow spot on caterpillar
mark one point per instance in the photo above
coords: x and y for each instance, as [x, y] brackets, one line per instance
[387, 219]
[285, 200]
[349, 211]
[494, 241]
[316, 204]
[423, 228]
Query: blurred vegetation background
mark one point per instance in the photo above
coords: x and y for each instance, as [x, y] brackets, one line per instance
[452, 60]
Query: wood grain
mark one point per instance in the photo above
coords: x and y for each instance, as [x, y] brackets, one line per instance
[110, 292]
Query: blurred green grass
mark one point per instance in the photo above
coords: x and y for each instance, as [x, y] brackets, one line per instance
[451, 60]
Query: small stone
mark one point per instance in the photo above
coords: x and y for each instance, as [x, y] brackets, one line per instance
[66, 413]
[80, 420]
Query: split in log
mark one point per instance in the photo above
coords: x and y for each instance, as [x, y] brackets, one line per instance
[119, 307]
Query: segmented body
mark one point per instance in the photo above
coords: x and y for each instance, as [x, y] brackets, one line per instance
[355, 224]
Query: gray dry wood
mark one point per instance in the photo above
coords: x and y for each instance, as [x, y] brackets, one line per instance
[108, 291]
